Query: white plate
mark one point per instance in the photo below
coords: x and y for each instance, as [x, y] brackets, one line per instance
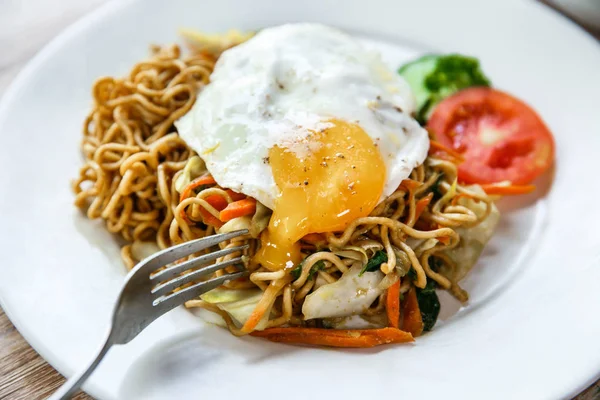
[532, 329]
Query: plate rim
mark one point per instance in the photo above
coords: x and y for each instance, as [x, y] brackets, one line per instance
[96, 15]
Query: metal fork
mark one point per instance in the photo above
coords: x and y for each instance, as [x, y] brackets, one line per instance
[148, 293]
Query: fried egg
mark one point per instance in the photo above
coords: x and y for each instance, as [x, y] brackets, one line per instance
[310, 123]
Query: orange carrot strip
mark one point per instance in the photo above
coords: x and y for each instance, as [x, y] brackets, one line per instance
[235, 196]
[210, 219]
[264, 304]
[207, 217]
[444, 239]
[392, 305]
[336, 338]
[185, 217]
[238, 209]
[217, 201]
[201, 180]
[412, 321]
[495, 189]
[313, 238]
[435, 146]
[410, 184]
[422, 205]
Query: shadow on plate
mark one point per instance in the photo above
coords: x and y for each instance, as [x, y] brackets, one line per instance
[169, 365]
[187, 357]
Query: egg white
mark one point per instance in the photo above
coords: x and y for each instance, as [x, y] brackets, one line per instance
[289, 80]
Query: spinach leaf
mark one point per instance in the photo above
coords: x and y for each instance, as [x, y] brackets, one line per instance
[375, 262]
[435, 188]
[435, 263]
[429, 304]
[319, 266]
[297, 271]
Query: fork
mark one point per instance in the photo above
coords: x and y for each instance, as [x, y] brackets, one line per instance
[148, 293]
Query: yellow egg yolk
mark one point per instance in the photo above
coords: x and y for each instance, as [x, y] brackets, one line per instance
[326, 181]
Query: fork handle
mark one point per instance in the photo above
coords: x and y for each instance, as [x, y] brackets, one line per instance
[73, 384]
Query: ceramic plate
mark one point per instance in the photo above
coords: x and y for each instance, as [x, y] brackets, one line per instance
[531, 329]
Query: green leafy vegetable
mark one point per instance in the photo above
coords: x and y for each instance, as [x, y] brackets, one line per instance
[375, 262]
[415, 73]
[427, 299]
[429, 305]
[435, 263]
[454, 72]
[435, 77]
[435, 188]
[297, 271]
[319, 266]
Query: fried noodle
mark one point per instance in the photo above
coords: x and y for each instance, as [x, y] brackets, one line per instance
[134, 157]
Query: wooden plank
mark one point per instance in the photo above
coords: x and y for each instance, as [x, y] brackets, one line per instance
[24, 375]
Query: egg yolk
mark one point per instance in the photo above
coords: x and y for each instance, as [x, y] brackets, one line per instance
[326, 181]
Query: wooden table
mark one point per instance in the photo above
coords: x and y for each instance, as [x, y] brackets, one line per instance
[25, 26]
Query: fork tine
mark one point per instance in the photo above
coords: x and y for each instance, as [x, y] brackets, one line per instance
[173, 300]
[174, 270]
[173, 284]
[172, 254]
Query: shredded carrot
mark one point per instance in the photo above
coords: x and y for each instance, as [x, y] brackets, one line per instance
[422, 205]
[436, 147]
[185, 217]
[496, 189]
[237, 209]
[336, 338]
[217, 201]
[201, 180]
[313, 238]
[210, 219]
[265, 303]
[410, 184]
[412, 321]
[235, 196]
[444, 239]
[462, 196]
[392, 305]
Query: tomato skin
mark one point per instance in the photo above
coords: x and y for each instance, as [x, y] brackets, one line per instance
[500, 137]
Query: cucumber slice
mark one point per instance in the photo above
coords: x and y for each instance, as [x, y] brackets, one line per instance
[414, 73]
[432, 78]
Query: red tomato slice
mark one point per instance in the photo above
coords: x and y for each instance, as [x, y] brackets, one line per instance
[500, 137]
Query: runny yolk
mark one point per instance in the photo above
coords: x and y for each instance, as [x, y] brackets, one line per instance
[326, 181]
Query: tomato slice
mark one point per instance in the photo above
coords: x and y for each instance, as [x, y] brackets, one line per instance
[500, 137]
